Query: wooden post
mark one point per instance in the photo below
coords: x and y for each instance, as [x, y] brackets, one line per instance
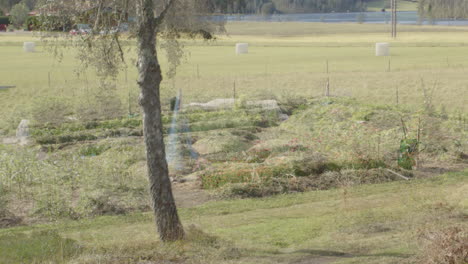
[234, 90]
[418, 141]
[327, 89]
[394, 18]
[49, 82]
[129, 93]
[397, 96]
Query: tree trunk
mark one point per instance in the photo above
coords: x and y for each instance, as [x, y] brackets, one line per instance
[149, 70]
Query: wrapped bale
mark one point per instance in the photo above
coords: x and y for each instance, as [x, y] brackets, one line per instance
[382, 49]
[29, 47]
[242, 48]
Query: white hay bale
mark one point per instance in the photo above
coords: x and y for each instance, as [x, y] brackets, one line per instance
[382, 49]
[242, 48]
[29, 47]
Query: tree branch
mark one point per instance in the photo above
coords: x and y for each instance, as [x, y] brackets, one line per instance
[163, 14]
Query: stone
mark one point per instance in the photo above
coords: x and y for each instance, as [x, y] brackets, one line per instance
[22, 132]
[23, 129]
[283, 117]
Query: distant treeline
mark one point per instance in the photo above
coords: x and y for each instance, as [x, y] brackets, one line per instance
[289, 6]
[434, 9]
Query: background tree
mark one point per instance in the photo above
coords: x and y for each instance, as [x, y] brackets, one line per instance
[158, 22]
[434, 9]
[6, 5]
[19, 14]
[31, 4]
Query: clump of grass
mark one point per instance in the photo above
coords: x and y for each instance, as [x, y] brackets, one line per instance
[92, 150]
[211, 179]
[52, 110]
[197, 247]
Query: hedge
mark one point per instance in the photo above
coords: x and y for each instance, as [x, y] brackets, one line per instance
[4, 20]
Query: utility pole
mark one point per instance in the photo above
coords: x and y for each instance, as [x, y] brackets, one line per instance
[393, 5]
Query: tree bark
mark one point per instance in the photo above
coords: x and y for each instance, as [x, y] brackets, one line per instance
[149, 70]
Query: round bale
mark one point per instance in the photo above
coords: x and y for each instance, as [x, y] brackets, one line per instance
[29, 47]
[242, 48]
[382, 49]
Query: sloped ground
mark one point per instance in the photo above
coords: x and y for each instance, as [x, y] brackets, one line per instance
[386, 223]
[334, 151]
[85, 169]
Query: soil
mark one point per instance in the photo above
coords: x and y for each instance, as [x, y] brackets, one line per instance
[189, 194]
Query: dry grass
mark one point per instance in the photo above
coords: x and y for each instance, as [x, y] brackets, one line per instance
[446, 246]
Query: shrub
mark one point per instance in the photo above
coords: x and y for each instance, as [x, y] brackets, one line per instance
[50, 110]
[4, 20]
[261, 174]
[92, 150]
[268, 9]
[19, 14]
[32, 23]
[447, 246]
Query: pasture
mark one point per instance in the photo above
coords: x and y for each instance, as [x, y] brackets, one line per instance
[284, 59]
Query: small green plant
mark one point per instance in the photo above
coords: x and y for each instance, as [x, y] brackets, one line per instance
[407, 152]
[92, 150]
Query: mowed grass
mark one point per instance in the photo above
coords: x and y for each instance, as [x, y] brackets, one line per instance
[363, 224]
[285, 59]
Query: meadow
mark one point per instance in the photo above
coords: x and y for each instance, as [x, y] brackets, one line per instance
[285, 58]
[319, 187]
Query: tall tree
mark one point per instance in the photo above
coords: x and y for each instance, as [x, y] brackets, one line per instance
[158, 22]
[19, 14]
[8, 4]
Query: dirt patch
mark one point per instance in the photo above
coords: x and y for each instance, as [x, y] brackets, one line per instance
[10, 221]
[189, 194]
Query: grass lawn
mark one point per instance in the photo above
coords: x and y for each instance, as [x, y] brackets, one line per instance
[363, 224]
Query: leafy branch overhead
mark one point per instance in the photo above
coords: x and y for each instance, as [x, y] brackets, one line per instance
[105, 27]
